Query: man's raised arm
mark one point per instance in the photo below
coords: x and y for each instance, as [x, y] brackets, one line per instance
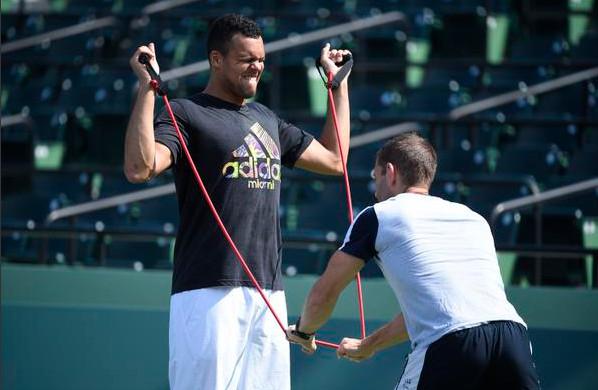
[144, 158]
[323, 155]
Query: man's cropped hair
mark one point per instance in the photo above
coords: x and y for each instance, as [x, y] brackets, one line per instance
[414, 157]
[225, 27]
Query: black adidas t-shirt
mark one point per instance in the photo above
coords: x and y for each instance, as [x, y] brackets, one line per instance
[238, 152]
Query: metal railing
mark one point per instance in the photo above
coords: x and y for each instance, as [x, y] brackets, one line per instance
[494, 101]
[112, 201]
[543, 197]
[16, 119]
[90, 25]
[509, 97]
[542, 254]
[60, 33]
[164, 5]
[318, 246]
[536, 201]
[101, 239]
[169, 189]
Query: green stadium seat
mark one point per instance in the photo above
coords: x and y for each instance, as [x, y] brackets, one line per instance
[559, 227]
[461, 160]
[137, 254]
[566, 137]
[541, 161]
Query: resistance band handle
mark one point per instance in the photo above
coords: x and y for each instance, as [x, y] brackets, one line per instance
[346, 66]
[345, 59]
[156, 80]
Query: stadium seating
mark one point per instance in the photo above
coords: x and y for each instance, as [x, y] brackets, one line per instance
[77, 93]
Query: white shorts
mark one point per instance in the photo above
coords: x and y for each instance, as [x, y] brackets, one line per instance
[226, 338]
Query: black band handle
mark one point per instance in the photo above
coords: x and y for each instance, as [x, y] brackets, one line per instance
[346, 66]
[145, 60]
[346, 58]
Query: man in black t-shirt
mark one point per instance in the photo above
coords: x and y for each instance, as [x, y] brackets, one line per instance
[221, 334]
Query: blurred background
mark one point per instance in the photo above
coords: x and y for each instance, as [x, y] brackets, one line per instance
[507, 91]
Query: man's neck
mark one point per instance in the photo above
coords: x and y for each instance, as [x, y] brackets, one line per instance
[215, 91]
[421, 190]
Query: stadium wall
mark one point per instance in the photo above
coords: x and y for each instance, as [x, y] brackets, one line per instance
[96, 328]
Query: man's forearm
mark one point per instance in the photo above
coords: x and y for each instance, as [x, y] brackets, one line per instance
[324, 294]
[328, 138]
[390, 334]
[140, 148]
[318, 308]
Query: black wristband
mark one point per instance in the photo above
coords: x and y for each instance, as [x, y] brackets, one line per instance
[298, 333]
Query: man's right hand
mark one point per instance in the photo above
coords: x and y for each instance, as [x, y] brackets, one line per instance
[139, 68]
[308, 346]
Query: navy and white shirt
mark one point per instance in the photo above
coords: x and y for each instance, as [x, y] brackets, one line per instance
[439, 259]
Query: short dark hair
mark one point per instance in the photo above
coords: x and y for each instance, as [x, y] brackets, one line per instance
[225, 27]
[413, 155]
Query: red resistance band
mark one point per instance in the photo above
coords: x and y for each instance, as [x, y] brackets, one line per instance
[348, 193]
[155, 83]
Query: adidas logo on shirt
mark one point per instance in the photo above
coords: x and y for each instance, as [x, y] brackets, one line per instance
[258, 160]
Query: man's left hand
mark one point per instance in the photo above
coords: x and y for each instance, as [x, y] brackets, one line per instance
[354, 350]
[331, 58]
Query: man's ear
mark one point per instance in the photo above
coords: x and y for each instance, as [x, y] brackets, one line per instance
[215, 58]
[391, 174]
